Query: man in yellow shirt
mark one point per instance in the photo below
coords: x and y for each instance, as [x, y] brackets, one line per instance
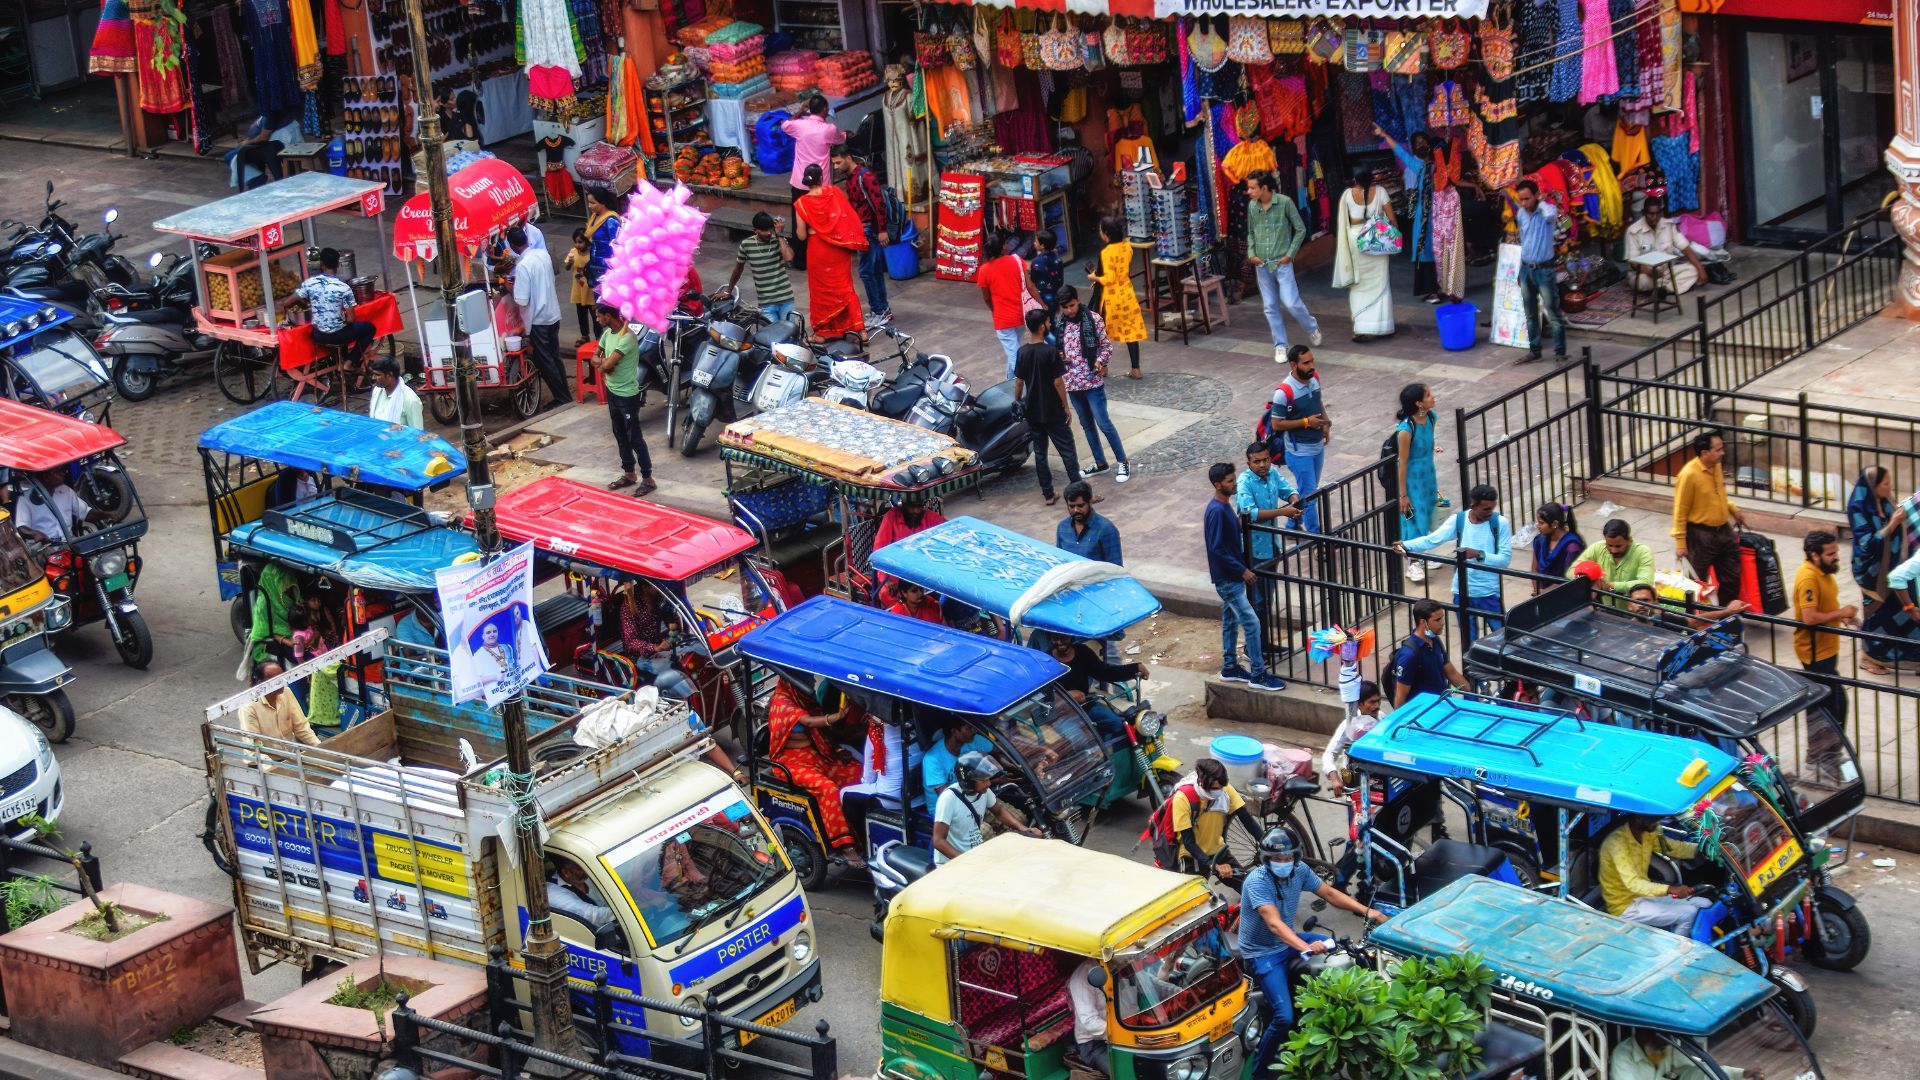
[1816, 602]
[1706, 526]
[1630, 893]
[1197, 814]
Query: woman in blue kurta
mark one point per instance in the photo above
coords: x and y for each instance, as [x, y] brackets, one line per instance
[1416, 172]
[1419, 487]
[604, 212]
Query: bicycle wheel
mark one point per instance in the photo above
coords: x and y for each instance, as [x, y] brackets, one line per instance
[244, 373]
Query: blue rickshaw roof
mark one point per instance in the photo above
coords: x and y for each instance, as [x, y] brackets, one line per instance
[926, 663]
[335, 443]
[1561, 954]
[989, 567]
[397, 552]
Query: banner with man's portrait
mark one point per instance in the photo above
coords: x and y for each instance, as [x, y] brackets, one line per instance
[493, 647]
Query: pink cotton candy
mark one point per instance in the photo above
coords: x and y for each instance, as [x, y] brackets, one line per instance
[652, 254]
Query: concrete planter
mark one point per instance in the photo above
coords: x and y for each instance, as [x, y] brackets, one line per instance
[97, 1000]
[302, 1037]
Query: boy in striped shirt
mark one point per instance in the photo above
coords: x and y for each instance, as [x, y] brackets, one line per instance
[768, 255]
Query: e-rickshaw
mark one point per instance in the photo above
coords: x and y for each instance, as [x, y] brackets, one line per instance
[1542, 789]
[32, 678]
[978, 954]
[919, 678]
[1029, 586]
[332, 497]
[1594, 995]
[811, 481]
[91, 551]
[46, 362]
[1702, 684]
[603, 540]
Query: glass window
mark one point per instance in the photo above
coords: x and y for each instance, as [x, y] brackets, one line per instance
[60, 366]
[681, 880]
[1784, 110]
[1756, 844]
[17, 568]
[1161, 984]
[1055, 740]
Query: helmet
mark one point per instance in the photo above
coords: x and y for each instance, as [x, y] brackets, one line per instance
[1279, 844]
[794, 357]
[975, 765]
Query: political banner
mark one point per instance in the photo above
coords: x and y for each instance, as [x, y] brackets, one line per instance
[1509, 301]
[493, 649]
[1301, 9]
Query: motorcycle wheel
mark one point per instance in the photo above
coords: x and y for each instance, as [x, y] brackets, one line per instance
[133, 385]
[690, 435]
[51, 713]
[244, 374]
[526, 400]
[107, 489]
[1851, 937]
[135, 645]
[809, 859]
[210, 836]
[444, 407]
[1798, 1004]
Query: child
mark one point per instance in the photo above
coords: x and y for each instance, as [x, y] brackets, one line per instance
[769, 255]
[582, 295]
[307, 640]
[1048, 273]
[1339, 778]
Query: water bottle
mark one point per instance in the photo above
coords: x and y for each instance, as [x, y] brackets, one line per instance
[337, 156]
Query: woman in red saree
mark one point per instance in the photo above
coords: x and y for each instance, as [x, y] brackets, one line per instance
[797, 739]
[834, 236]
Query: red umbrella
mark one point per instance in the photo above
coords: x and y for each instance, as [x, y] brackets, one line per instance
[488, 197]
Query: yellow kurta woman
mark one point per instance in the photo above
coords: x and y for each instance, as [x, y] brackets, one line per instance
[1118, 304]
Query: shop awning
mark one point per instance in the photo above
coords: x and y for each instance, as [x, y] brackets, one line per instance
[1272, 9]
[489, 197]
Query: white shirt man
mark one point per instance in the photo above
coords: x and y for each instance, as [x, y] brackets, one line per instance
[1089, 1015]
[392, 400]
[1656, 234]
[533, 286]
[52, 515]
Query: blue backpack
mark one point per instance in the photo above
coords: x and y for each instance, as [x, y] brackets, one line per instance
[772, 148]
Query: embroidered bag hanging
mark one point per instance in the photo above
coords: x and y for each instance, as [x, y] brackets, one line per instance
[1091, 58]
[1146, 42]
[983, 35]
[1449, 45]
[1113, 42]
[1324, 40]
[1406, 51]
[1362, 49]
[930, 48]
[1060, 46]
[1031, 30]
[1247, 40]
[1006, 40]
[1287, 37]
[960, 44]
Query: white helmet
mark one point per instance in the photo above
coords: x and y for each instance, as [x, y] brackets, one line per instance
[790, 355]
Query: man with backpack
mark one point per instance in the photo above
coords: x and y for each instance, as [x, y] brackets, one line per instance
[873, 202]
[1297, 428]
[1189, 830]
[1485, 538]
[1420, 664]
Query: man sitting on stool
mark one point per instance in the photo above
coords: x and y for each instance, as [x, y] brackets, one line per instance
[1656, 234]
[331, 302]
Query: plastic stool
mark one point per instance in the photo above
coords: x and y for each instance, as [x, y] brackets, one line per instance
[1212, 292]
[586, 377]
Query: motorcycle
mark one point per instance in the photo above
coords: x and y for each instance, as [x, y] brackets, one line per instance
[666, 359]
[739, 371]
[144, 345]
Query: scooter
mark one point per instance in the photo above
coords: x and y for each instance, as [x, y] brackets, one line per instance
[895, 866]
[33, 678]
[143, 346]
[738, 373]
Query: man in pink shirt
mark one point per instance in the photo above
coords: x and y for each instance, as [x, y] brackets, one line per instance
[814, 137]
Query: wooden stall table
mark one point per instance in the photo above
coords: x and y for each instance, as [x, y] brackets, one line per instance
[1174, 275]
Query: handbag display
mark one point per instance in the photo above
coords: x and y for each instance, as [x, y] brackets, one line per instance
[1449, 44]
[1113, 42]
[1287, 37]
[1032, 55]
[1406, 52]
[1091, 58]
[1363, 50]
[983, 35]
[1324, 40]
[1247, 40]
[1060, 46]
[1006, 40]
[960, 45]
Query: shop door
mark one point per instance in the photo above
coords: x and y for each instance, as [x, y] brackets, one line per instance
[1819, 115]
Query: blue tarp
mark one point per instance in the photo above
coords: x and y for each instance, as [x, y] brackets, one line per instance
[397, 553]
[335, 443]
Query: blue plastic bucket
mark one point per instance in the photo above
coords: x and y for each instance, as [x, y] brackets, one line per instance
[1242, 755]
[903, 261]
[1458, 325]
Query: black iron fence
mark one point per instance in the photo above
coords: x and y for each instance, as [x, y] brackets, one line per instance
[1533, 444]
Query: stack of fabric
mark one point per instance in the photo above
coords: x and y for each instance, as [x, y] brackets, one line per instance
[845, 74]
[794, 69]
[697, 33]
[738, 63]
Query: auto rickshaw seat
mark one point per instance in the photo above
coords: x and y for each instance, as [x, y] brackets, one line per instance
[1036, 981]
[1442, 864]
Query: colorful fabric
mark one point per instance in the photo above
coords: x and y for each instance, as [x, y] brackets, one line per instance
[276, 85]
[1599, 75]
[112, 49]
[1118, 302]
[815, 763]
[226, 51]
[1449, 248]
[1566, 80]
[306, 45]
[161, 66]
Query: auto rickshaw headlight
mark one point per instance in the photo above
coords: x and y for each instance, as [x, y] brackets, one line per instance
[1188, 1068]
[110, 563]
[802, 946]
[1148, 723]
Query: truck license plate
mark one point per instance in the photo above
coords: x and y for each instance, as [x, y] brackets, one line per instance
[781, 1013]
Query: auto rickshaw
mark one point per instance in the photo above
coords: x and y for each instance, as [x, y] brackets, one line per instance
[58, 466]
[1702, 684]
[32, 678]
[1542, 789]
[1030, 586]
[603, 540]
[44, 361]
[977, 956]
[1592, 995]
[920, 677]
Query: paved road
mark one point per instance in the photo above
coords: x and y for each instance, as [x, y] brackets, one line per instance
[134, 772]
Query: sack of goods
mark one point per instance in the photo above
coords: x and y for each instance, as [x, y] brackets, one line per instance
[845, 74]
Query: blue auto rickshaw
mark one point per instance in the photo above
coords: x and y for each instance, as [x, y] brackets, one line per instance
[332, 498]
[46, 363]
[921, 677]
[1579, 994]
[1541, 790]
[1030, 587]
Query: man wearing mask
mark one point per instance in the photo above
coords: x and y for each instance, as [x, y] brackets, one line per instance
[1420, 664]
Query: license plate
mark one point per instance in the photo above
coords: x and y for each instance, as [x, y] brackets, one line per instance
[116, 582]
[703, 378]
[25, 804]
[781, 1013]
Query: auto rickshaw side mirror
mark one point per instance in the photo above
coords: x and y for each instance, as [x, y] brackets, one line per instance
[1097, 976]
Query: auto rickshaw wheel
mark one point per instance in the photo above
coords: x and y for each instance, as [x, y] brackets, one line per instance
[52, 713]
[1522, 861]
[809, 859]
[106, 488]
[1847, 935]
[444, 407]
[135, 643]
[240, 617]
[1797, 1001]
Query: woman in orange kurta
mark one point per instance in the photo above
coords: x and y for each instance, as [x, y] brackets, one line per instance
[833, 235]
[797, 739]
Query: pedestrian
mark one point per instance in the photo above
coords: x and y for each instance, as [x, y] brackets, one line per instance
[392, 400]
[581, 295]
[1274, 235]
[605, 212]
[1556, 546]
[539, 305]
[1706, 525]
[767, 254]
[1046, 269]
[1366, 277]
[1872, 521]
[1232, 578]
[813, 138]
[1484, 537]
[1263, 495]
[1623, 561]
[1419, 485]
[1298, 426]
[1085, 351]
[1816, 602]
[1118, 302]
[1416, 165]
[1420, 664]
[1007, 289]
[834, 238]
[1539, 281]
[1040, 384]
[618, 359]
[1090, 536]
[869, 199]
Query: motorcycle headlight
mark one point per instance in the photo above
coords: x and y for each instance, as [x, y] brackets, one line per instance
[109, 564]
[1149, 724]
[802, 946]
[1188, 1068]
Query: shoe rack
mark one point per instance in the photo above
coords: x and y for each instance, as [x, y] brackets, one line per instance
[372, 128]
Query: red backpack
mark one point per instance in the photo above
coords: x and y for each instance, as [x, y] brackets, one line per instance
[1159, 832]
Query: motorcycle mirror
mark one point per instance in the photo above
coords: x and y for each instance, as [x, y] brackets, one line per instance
[1312, 922]
[154, 260]
[49, 189]
[112, 215]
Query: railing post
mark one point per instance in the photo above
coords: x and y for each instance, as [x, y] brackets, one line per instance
[1596, 435]
[825, 1057]
[510, 1056]
[500, 1005]
[1806, 308]
[6, 875]
[711, 1035]
[602, 1018]
[1700, 324]
[1460, 453]
[1806, 455]
[406, 1034]
[90, 865]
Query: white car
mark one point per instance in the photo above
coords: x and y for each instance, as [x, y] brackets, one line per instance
[29, 775]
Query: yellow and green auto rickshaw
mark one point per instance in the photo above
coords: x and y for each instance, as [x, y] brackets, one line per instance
[979, 955]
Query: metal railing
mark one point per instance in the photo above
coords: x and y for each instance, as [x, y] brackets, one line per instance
[83, 862]
[1532, 444]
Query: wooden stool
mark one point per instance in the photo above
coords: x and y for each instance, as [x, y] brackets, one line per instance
[1168, 279]
[318, 376]
[586, 377]
[1661, 271]
[1210, 294]
[303, 157]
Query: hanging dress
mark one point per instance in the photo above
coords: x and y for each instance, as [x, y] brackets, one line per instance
[112, 49]
[1449, 243]
[1535, 24]
[1599, 77]
[1565, 53]
[160, 62]
[548, 48]
[909, 164]
[552, 152]
[276, 82]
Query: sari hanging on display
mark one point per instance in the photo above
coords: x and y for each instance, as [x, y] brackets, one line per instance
[112, 49]
[834, 235]
[159, 67]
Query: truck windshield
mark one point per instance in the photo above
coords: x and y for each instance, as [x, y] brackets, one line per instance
[704, 862]
[1158, 985]
[62, 366]
[1755, 843]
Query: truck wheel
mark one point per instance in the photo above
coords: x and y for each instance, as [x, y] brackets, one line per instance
[1847, 932]
[135, 645]
[133, 385]
[52, 713]
[809, 859]
[210, 837]
[1797, 1002]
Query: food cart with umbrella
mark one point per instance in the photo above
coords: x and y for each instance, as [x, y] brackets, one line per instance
[266, 234]
[489, 197]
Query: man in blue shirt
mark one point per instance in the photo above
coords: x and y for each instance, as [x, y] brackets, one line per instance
[1537, 280]
[1263, 494]
[1084, 532]
[1297, 427]
[1232, 579]
[1420, 664]
[1486, 539]
[937, 764]
[1269, 897]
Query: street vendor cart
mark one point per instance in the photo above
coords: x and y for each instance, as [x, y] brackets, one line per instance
[265, 234]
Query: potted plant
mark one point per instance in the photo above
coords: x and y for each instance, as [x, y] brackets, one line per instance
[1424, 1024]
[341, 1027]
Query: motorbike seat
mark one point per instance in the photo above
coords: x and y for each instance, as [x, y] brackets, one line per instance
[774, 333]
[159, 316]
[911, 863]
[992, 408]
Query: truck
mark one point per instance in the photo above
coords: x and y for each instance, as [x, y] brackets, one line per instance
[394, 836]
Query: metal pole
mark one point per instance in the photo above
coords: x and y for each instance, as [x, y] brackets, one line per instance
[545, 958]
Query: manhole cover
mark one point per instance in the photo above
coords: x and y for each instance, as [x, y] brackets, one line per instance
[1197, 445]
[1187, 393]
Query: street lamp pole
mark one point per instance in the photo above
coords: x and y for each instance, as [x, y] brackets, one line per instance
[544, 957]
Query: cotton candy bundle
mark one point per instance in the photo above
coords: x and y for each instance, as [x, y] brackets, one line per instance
[652, 254]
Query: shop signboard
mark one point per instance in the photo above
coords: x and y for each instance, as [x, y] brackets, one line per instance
[1509, 301]
[1872, 12]
[1300, 9]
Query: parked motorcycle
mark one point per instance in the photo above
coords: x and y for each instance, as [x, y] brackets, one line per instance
[145, 345]
[739, 371]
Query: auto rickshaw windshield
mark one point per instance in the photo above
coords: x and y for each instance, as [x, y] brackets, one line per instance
[1168, 979]
[687, 877]
[1054, 739]
[17, 568]
[1757, 844]
[1764, 1044]
[62, 365]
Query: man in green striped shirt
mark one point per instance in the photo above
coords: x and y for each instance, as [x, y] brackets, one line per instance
[1274, 236]
[768, 255]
